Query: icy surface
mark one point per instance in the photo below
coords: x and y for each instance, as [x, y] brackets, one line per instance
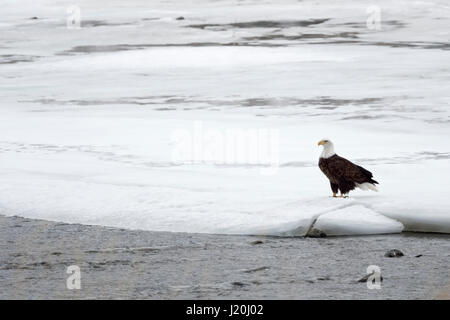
[356, 220]
[88, 116]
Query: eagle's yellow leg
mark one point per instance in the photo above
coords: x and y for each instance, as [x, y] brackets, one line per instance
[343, 196]
[334, 195]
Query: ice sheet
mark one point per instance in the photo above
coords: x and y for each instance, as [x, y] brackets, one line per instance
[88, 117]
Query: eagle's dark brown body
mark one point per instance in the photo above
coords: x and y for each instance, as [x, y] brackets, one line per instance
[343, 174]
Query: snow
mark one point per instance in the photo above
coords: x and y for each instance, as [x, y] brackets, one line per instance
[92, 137]
[356, 220]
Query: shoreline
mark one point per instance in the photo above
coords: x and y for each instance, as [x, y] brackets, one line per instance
[133, 264]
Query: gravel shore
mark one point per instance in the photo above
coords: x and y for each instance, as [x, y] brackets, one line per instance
[133, 264]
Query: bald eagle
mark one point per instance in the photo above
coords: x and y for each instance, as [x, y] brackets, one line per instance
[343, 174]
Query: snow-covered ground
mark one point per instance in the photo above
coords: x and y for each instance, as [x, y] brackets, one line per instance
[129, 120]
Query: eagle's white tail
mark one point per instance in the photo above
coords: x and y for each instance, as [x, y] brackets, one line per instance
[367, 186]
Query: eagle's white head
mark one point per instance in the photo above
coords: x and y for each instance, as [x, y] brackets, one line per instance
[328, 148]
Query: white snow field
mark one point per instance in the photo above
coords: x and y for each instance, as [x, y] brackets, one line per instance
[126, 122]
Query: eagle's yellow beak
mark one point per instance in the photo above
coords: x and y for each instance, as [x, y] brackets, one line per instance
[320, 143]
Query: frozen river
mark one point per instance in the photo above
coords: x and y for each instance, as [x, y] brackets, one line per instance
[205, 116]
